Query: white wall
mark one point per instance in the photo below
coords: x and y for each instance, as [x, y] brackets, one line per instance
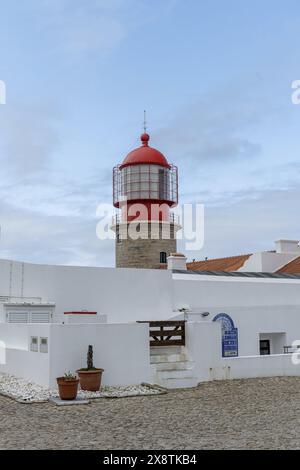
[203, 343]
[122, 294]
[139, 294]
[121, 349]
[17, 336]
[267, 261]
[200, 290]
[84, 318]
[27, 365]
[257, 320]
[20, 361]
[255, 305]
[287, 246]
[257, 366]
[204, 347]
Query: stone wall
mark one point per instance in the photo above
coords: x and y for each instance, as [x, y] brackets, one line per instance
[145, 252]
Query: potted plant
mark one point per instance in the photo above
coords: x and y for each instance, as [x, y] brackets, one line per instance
[67, 386]
[90, 377]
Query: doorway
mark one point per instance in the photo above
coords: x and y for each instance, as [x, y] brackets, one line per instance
[264, 347]
[271, 343]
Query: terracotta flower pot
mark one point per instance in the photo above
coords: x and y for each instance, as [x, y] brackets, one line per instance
[90, 379]
[67, 388]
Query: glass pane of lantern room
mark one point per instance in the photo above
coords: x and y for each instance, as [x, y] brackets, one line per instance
[154, 177]
[162, 182]
[154, 169]
[134, 168]
[144, 176]
[144, 185]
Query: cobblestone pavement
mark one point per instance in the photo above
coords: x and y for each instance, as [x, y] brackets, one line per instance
[240, 414]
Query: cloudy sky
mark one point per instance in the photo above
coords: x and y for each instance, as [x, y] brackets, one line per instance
[215, 78]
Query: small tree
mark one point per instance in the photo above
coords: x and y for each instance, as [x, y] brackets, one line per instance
[90, 362]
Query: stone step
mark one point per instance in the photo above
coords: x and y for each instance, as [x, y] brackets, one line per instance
[161, 350]
[175, 374]
[172, 383]
[172, 368]
[159, 358]
[180, 365]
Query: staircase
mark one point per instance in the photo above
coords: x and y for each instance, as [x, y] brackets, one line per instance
[171, 367]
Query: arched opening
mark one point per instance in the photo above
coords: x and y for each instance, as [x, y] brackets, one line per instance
[163, 257]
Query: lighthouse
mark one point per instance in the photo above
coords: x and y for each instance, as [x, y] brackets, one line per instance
[145, 189]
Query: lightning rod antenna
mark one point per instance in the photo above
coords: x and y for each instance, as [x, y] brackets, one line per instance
[145, 123]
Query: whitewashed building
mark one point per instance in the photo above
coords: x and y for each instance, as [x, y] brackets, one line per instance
[50, 314]
[213, 319]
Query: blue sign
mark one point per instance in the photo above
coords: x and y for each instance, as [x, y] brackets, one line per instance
[229, 335]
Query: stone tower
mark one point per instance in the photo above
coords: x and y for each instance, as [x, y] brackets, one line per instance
[145, 188]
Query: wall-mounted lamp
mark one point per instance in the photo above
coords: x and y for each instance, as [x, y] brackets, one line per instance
[205, 314]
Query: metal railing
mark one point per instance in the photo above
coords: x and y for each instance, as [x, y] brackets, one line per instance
[119, 218]
[291, 349]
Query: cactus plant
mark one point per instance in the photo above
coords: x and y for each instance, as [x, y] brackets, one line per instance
[90, 377]
[90, 362]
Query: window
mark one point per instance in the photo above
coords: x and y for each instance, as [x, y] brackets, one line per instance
[163, 257]
[34, 344]
[264, 347]
[43, 345]
[18, 317]
[40, 317]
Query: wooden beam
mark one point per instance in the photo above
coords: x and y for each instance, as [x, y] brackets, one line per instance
[172, 342]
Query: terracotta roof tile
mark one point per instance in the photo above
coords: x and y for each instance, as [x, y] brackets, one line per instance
[232, 263]
[293, 267]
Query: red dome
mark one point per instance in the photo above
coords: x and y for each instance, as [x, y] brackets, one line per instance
[145, 155]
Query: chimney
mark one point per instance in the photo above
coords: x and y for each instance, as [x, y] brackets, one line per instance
[287, 246]
[177, 261]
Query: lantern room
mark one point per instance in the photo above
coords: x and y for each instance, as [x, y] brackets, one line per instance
[145, 176]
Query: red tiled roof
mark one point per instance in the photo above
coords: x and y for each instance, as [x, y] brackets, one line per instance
[233, 263]
[293, 267]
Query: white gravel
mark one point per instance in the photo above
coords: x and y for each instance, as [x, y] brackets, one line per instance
[28, 392]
